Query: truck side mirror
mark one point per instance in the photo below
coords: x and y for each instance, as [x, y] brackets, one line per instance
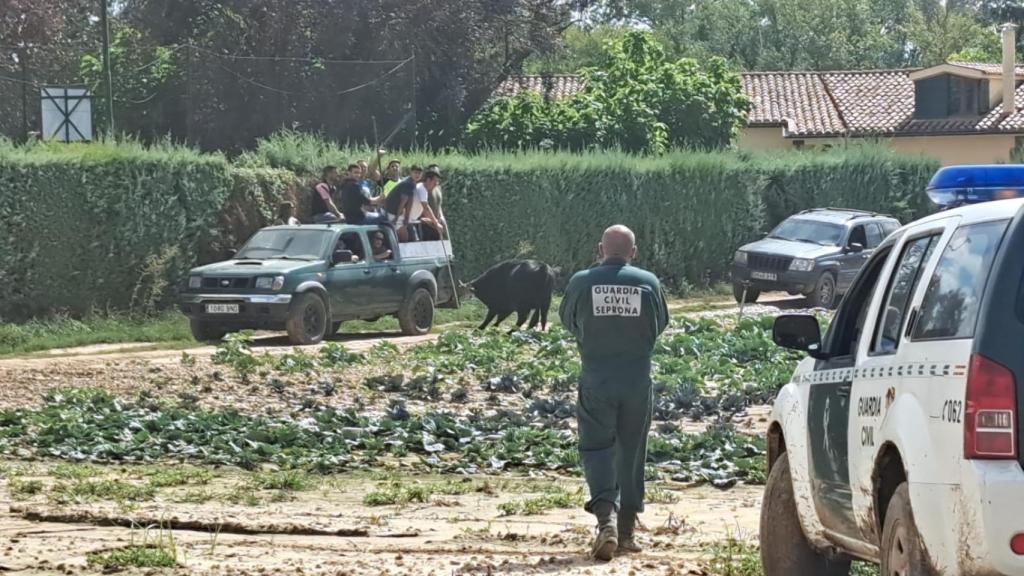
[798, 332]
[855, 248]
[232, 253]
[341, 257]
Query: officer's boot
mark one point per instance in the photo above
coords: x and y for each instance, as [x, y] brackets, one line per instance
[626, 526]
[607, 540]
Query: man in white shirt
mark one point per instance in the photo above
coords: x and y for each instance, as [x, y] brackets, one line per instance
[416, 208]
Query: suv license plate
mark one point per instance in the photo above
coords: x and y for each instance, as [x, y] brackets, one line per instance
[769, 276]
[222, 308]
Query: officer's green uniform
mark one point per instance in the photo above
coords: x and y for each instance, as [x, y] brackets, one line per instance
[616, 311]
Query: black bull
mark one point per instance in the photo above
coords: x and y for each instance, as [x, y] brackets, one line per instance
[520, 286]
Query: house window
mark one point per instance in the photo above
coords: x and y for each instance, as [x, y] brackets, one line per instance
[947, 96]
[963, 96]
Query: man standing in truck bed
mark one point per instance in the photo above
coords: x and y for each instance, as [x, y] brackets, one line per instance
[616, 312]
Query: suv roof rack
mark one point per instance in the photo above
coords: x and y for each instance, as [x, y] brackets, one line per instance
[853, 212]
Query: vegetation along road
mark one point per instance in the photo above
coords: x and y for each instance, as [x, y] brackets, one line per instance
[448, 453]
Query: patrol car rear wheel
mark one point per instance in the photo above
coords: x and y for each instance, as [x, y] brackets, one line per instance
[416, 316]
[752, 294]
[307, 320]
[902, 550]
[784, 548]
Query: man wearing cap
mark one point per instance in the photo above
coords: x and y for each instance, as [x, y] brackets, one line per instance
[616, 312]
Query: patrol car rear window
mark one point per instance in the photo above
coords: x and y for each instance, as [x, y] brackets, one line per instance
[951, 303]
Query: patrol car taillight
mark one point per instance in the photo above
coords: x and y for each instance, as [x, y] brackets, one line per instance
[990, 418]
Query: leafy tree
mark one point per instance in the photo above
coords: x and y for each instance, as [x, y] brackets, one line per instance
[732, 29]
[823, 35]
[819, 34]
[462, 49]
[579, 48]
[949, 34]
[1001, 11]
[638, 100]
[143, 78]
[40, 43]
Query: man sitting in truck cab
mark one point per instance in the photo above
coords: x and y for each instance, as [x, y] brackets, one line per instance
[379, 246]
[350, 242]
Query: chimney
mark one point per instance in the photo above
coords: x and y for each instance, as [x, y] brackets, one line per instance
[1009, 68]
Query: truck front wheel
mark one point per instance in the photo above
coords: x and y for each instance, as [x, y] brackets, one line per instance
[785, 550]
[417, 313]
[206, 332]
[902, 551]
[307, 319]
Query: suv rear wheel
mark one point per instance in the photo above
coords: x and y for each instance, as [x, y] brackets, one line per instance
[752, 294]
[902, 549]
[206, 332]
[416, 315]
[824, 294]
[307, 319]
[784, 548]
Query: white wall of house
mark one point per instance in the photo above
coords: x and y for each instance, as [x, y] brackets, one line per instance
[761, 138]
[966, 149]
[960, 149]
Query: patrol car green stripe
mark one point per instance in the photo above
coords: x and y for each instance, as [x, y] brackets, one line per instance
[877, 373]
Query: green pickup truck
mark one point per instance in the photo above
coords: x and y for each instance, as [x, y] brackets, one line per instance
[309, 279]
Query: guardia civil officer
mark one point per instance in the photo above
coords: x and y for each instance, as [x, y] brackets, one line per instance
[616, 312]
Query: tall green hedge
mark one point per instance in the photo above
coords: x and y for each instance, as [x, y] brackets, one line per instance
[112, 226]
[251, 204]
[690, 210]
[116, 226]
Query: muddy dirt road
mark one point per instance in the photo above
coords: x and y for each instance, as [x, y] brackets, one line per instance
[462, 534]
[227, 523]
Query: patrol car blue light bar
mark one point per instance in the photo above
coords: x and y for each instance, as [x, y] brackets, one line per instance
[959, 185]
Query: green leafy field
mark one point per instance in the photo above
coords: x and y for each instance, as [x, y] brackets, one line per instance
[703, 369]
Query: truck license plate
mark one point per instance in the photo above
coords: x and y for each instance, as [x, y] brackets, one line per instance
[769, 276]
[222, 308]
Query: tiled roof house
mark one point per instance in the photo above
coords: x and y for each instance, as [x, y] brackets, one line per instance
[958, 112]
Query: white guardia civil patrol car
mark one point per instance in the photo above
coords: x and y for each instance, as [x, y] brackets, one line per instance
[897, 440]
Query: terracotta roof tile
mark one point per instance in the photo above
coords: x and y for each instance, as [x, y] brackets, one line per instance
[850, 103]
[554, 86]
[986, 67]
[940, 125]
[796, 100]
[874, 101]
[996, 120]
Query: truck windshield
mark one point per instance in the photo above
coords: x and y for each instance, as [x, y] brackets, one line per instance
[810, 231]
[297, 244]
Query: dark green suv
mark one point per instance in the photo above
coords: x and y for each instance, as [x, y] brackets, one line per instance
[816, 253]
[309, 279]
